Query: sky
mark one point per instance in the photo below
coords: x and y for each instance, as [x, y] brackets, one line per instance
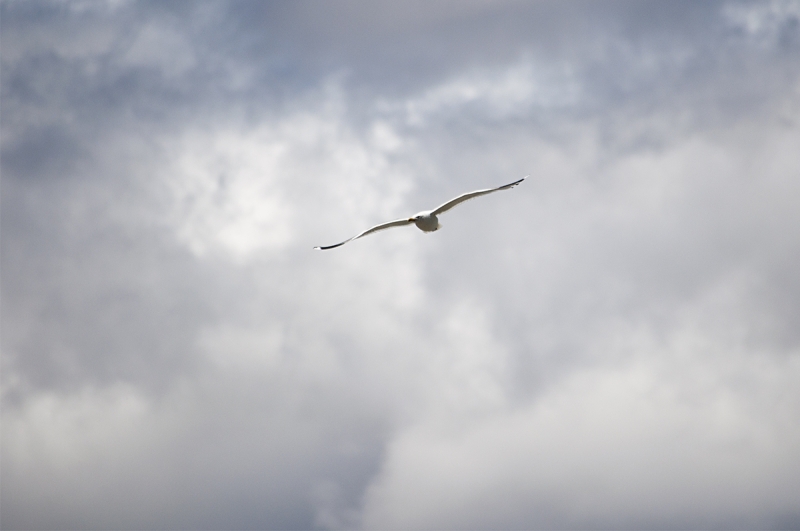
[614, 343]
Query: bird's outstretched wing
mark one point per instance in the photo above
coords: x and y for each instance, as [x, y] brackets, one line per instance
[471, 195]
[376, 228]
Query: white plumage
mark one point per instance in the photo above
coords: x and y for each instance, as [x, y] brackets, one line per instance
[426, 220]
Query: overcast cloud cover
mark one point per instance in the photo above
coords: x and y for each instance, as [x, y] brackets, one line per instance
[613, 344]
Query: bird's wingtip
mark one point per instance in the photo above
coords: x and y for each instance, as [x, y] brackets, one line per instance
[515, 183]
[326, 247]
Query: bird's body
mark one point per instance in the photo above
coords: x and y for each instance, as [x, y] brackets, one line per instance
[427, 220]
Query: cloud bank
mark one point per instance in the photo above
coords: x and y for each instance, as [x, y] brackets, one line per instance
[612, 344]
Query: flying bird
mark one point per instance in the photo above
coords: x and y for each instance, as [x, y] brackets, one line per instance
[427, 220]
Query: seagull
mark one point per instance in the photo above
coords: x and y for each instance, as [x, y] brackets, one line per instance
[427, 220]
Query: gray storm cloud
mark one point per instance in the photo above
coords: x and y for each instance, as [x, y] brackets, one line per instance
[616, 347]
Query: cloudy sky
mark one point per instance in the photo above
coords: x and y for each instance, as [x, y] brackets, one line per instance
[615, 343]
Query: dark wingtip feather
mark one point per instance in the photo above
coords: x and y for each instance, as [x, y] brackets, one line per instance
[512, 185]
[326, 247]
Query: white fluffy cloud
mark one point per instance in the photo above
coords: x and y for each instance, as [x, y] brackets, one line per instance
[611, 344]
